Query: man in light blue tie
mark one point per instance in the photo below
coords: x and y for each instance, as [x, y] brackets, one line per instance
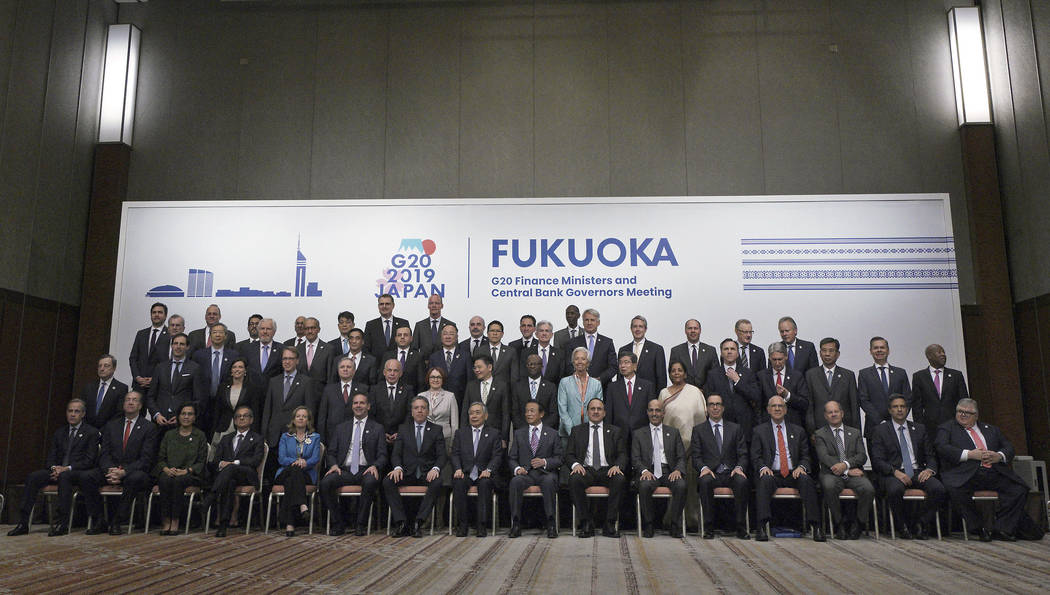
[356, 457]
[876, 383]
[105, 396]
[477, 454]
[418, 456]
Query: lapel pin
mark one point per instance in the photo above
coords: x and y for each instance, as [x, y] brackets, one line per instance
[792, 436]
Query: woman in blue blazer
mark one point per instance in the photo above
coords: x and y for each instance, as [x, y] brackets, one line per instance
[574, 391]
[298, 453]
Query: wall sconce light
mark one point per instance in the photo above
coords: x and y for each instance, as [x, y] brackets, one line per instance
[120, 75]
[966, 39]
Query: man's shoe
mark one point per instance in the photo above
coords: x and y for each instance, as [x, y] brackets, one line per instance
[417, 529]
[361, 530]
[742, 534]
[398, 530]
[56, 530]
[337, 531]
[647, 530]
[842, 532]
[221, 531]
[854, 531]
[585, 530]
[20, 529]
[985, 535]
[920, 532]
[96, 529]
[708, 534]
[1004, 536]
[904, 533]
[462, 531]
[482, 531]
[818, 534]
[761, 535]
[609, 530]
[515, 530]
[552, 531]
[676, 531]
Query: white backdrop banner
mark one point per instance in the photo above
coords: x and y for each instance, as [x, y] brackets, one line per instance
[849, 266]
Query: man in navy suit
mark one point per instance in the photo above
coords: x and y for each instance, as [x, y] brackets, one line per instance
[419, 455]
[413, 361]
[888, 444]
[552, 358]
[976, 456]
[936, 390]
[176, 383]
[215, 361]
[652, 364]
[697, 357]
[534, 387]
[571, 331]
[719, 453]
[390, 398]
[627, 396]
[600, 348]
[367, 367]
[284, 395]
[356, 455]
[264, 356]
[493, 392]
[802, 355]
[426, 336]
[336, 404]
[452, 360]
[245, 346]
[201, 338]
[527, 326]
[345, 324]
[658, 457]
[790, 385]
[876, 383]
[504, 357]
[476, 329]
[237, 461]
[751, 356]
[315, 355]
[145, 343]
[379, 332]
[596, 455]
[831, 382]
[737, 386]
[104, 398]
[73, 454]
[477, 454]
[535, 456]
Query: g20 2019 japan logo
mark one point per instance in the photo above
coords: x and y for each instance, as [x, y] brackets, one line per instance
[411, 273]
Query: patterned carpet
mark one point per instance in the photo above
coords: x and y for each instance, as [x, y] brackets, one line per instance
[269, 563]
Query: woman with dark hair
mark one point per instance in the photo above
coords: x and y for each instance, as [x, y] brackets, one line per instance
[236, 391]
[180, 463]
[298, 453]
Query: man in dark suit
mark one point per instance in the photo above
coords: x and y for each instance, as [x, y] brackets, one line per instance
[201, 338]
[493, 392]
[455, 362]
[477, 455]
[244, 346]
[876, 383]
[504, 359]
[419, 455]
[356, 455]
[596, 455]
[264, 357]
[780, 455]
[104, 398]
[658, 456]
[283, 395]
[379, 332]
[751, 356]
[840, 451]
[476, 328]
[527, 326]
[129, 448]
[215, 361]
[535, 457]
[652, 364]
[976, 456]
[788, 384]
[300, 333]
[336, 404]
[562, 337]
[737, 387]
[903, 456]
[237, 461]
[413, 361]
[802, 355]
[315, 356]
[162, 349]
[936, 390]
[426, 336]
[368, 367]
[144, 344]
[73, 454]
[341, 344]
[533, 387]
[719, 452]
[831, 382]
[390, 398]
[627, 396]
[599, 347]
[176, 383]
[552, 358]
[697, 357]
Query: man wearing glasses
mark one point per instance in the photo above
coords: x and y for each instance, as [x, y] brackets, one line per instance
[975, 456]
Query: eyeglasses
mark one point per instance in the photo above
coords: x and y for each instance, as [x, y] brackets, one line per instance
[243, 416]
[966, 412]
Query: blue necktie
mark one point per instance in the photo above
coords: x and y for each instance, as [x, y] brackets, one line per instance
[100, 397]
[791, 356]
[906, 454]
[885, 381]
[216, 362]
[386, 332]
[590, 345]
[419, 448]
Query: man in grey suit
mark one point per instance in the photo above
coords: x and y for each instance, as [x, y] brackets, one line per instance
[830, 382]
[286, 392]
[698, 358]
[802, 355]
[660, 462]
[840, 451]
[876, 383]
[535, 456]
[201, 338]
[426, 336]
[570, 332]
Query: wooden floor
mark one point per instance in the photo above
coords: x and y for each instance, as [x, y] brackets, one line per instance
[259, 563]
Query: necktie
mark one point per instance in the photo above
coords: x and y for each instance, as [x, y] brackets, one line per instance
[287, 385]
[309, 356]
[419, 438]
[839, 444]
[978, 443]
[448, 360]
[127, 431]
[237, 442]
[495, 355]
[474, 469]
[829, 377]
[402, 359]
[477, 343]
[638, 349]
[346, 393]
[743, 355]
[100, 397]
[596, 453]
[731, 388]
[346, 346]
[791, 356]
[152, 341]
[905, 454]
[355, 449]
[937, 381]
[434, 331]
[779, 381]
[543, 357]
[590, 345]
[175, 371]
[658, 456]
[885, 380]
[264, 357]
[485, 392]
[630, 392]
[782, 447]
[390, 389]
[299, 341]
[386, 331]
[572, 333]
[718, 437]
[207, 331]
[69, 446]
[534, 442]
[532, 388]
[693, 356]
[215, 367]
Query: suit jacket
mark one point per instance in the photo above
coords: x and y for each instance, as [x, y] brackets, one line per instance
[249, 452]
[874, 399]
[805, 356]
[332, 411]
[506, 367]
[498, 405]
[570, 406]
[368, 371]
[203, 358]
[243, 347]
[336, 345]
[142, 359]
[277, 411]
[375, 335]
[615, 444]
[548, 447]
[827, 453]
[390, 414]
[952, 439]
[706, 360]
[411, 460]
[764, 446]
[843, 389]
[112, 402]
[490, 450]
[555, 369]
[546, 395]
[929, 408]
[141, 450]
[603, 361]
[262, 375]
[83, 453]
[166, 396]
[885, 448]
[322, 368]
[642, 450]
[422, 335]
[414, 372]
[741, 400]
[252, 395]
[518, 345]
[798, 397]
[629, 416]
[652, 363]
[705, 452]
[198, 339]
[756, 357]
[293, 341]
[458, 374]
[373, 445]
[561, 337]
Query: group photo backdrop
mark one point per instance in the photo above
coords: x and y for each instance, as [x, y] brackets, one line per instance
[846, 266]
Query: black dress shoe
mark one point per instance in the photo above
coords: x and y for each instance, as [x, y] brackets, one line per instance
[56, 530]
[552, 531]
[904, 533]
[289, 533]
[305, 516]
[676, 531]
[609, 530]
[985, 535]
[761, 535]
[647, 530]
[708, 534]
[920, 532]
[841, 532]
[515, 530]
[818, 534]
[221, 531]
[462, 531]
[854, 531]
[114, 529]
[337, 531]
[417, 529]
[398, 530]
[96, 529]
[1004, 536]
[482, 531]
[20, 529]
[742, 534]
[361, 531]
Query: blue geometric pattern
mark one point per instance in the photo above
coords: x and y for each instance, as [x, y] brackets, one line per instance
[854, 274]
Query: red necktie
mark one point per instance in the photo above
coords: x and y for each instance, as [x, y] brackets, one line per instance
[779, 382]
[127, 432]
[978, 443]
[346, 394]
[782, 447]
[630, 393]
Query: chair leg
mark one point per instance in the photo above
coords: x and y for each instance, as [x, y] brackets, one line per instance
[149, 512]
[368, 524]
[251, 505]
[433, 515]
[72, 508]
[29, 521]
[574, 519]
[937, 518]
[495, 513]
[966, 532]
[450, 514]
[189, 513]
[310, 531]
[269, 510]
[388, 517]
[638, 509]
[207, 519]
[875, 509]
[131, 515]
[893, 531]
